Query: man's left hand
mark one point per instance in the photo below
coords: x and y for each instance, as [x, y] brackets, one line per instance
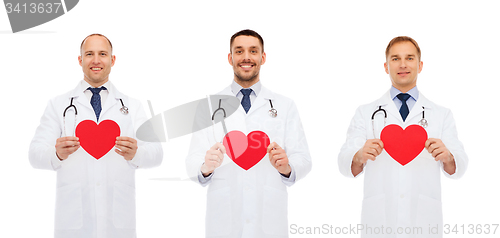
[126, 147]
[279, 159]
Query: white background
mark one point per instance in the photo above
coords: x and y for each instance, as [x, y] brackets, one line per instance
[326, 55]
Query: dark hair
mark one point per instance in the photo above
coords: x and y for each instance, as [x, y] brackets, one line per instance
[246, 32]
[403, 39]
[96, 34]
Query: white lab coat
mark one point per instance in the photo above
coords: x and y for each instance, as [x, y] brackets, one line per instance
[402, 196]
[94, 198]
[252, 203]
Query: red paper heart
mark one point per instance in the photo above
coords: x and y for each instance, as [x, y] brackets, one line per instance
[246, 151]
[403, 145]
[97, 140]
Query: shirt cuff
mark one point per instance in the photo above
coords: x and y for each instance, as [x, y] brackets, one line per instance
[290, 180]
[56, 162]
[204, 180]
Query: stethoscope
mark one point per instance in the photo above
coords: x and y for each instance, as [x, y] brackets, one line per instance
[272, 112]
[123, 110]
[423, 122]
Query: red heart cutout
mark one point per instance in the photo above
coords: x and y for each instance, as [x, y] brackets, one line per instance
[97, 140]
[403, 145]
[246, 151]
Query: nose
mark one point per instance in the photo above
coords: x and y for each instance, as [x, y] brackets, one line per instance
[96, 59]
[246, 55]
[403, 63]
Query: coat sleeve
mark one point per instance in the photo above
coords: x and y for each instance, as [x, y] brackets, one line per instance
[42, 151]
[356, 138]
[296, 146]
[149, 154]
[450, 140]
[196, 157]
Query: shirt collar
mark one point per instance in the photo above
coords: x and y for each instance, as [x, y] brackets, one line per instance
[256, 88]
[84, 85]
[413, 93]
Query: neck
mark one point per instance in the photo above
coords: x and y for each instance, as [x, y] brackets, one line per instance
[95, 84]
[246, 84]
[404, 89]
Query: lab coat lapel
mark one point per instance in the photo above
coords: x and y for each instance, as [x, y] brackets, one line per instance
[80, 97]
[387, 103]
[417, 108]
[112, 99]
[261, 100]
[228, 91]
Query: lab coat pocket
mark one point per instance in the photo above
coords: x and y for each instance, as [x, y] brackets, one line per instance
[69, 213]
[373, 212]
[123, 206]
[274, 215]
[429, 214]
[218, 222]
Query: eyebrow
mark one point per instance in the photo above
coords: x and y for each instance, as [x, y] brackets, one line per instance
[100, 51]
[251, 47]
[410, 55]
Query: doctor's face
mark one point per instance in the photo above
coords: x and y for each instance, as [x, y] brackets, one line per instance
[403, 65]
[246, 57]
[96, 60]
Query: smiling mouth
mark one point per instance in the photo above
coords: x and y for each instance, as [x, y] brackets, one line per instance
[403, 73]
[246, 66]
[96, 69]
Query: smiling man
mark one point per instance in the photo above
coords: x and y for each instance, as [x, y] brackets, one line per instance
[242, 201]
[400, 196]
[95, 193]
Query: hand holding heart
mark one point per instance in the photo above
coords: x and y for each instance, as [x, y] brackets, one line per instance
[66, 146]
[126, 147]
[213, 159]
[369, 151]
[279, 159]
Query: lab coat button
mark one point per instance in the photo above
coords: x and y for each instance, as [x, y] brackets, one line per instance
[248, 221]
[97, 184]
[402, 196]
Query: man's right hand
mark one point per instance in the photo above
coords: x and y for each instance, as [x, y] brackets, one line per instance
[370, 151]
[66, 146]
[213, 159]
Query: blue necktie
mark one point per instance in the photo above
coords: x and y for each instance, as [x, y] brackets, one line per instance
[95, 101]
[245, 102]
[404, 107]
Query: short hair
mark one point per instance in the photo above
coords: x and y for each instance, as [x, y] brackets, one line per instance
[96, 34]
[246, 32]
[403, 39]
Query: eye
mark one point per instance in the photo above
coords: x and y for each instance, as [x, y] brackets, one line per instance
[395, 59]
[238, 52]
[253, 51]
[410, 58]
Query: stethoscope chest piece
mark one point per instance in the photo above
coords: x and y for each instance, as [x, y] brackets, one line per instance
[272, 112]
[123, 109]
[423, 123]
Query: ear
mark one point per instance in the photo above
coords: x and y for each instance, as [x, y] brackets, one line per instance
[113, 58]
[386, 68]
[80, 60]
[263, 58]
[420, 66]
[230, 59]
